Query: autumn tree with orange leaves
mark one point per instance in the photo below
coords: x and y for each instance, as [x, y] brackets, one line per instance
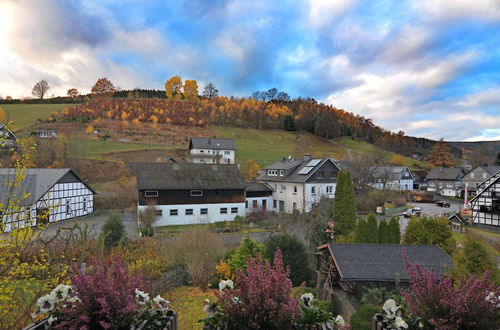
[250, 170]
[173, 88]
[440, 155]
[191, 89]
[73, 92]
[103, 86]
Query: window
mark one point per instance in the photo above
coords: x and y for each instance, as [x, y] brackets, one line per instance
[313, 190]
[449, 184]
[174, 212]
[203, 211]
[264, 204]
[85, 204]
[255, 204]
[158, 212]
[275, 203]
[282, 172]
[484, 175]
[223, 210]
[472, 175]
[294, 189]
[151, 193]
[234, 210]
[196, 193]
[68, 209]
[202, 151]
[282, 206]
[226, 152]
[294, 205]
[329, 189]
[189, 211]
[246, 204]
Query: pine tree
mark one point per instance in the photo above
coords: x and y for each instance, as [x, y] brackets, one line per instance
[371, 233]
[440, 155]
[383, 232]
[344, 205]
[359, 235]
[394, 231]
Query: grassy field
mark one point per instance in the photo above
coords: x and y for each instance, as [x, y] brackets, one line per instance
[24, 115]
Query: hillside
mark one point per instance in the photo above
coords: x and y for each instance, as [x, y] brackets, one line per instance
[24, 115]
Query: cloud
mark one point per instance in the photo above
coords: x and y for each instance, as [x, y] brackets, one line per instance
[322, 12]
[447, 10]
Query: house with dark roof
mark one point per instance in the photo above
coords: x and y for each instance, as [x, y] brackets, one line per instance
[42, 196]
[211, 150]
[187, 193]
[392, 177]
[478, 175]
[259, 197]
[445, 181]
[353, 266]
[485, 205]
[298, 184]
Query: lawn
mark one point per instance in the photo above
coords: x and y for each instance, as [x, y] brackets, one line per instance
[25, 115]
[188, 302]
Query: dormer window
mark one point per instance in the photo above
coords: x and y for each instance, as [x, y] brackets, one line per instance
[282, 172]
[272, 172]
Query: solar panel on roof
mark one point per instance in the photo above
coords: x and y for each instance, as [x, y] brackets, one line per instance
[305, 170]
[314, 162]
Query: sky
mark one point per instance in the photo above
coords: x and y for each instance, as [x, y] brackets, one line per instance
[428, 67]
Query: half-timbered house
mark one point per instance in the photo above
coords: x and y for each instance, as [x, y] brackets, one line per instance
[188, 193]
[37, 195]
[486, 204]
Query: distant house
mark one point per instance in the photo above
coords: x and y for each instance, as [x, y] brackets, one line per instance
[486, 204]
[7, 138]
[353, 266]
[45, 134]
[187, 193]
[392, 177]
[300, 183]
[211, 150]
[456, 222]
[44, 195]
[445, 181]
[259, 197]
[477, 175]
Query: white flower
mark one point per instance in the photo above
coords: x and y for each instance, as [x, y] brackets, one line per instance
[307, 298]
[209, 308]
[51, 320]
[400, 323]
[162, 303]
[141, 297]
[62, 291]
[226, 284]
[73, 299]
[236, 300]
[46, 303]
[339, 320]
[390, 308]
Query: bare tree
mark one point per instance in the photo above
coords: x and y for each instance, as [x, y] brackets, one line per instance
[147, 217]
[40, 89]
[362, 169]
[481, 155]
[210, 91]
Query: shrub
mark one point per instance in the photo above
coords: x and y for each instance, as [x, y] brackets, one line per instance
[248, 248]
[344, 205]
[362, 319]
[294, 256]
[430, 230]
[371, 230]
[383, 232]
[113, 231]
[394, 231]
[359, 235]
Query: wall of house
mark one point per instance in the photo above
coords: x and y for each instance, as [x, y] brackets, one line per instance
[445, 187]
[183, 196]
[255, 204]
[486, 207]
[226, 156]
[290, 194]
[475, 177]
[213, 213]
[320, 190]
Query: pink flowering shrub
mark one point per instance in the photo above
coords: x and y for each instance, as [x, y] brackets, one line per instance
[107, 298]
[471, 304]
[263, 298]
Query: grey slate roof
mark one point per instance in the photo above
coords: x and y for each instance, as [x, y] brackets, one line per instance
[211, 143]
[293, 176]
[384, 262]
[392, 172]
[257, 186]
[36, 183]
[443, 173]
[181, 176]
[492, 169]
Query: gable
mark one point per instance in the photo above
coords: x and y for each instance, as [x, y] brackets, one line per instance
[327, 171]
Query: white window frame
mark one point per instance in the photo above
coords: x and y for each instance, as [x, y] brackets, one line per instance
[204, 211]
[189, 212]
[196, 193]
[150, 193]
[234, 210]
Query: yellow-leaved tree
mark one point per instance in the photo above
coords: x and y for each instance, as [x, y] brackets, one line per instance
[191, 89]
[173, 87]
[250, 170]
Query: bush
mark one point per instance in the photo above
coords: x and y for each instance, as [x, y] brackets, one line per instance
[430, 230]
[362, 319]
[113, 231]
[294, 256]
[248, 249]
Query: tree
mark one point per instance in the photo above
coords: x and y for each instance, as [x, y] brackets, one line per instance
[383, 232]
[73, 92]
[271, 94]
[430, 230]
[113, 231]
[147, 217]
[210, 91]
[475, 258]
[497, 159]
[248, 249]
[294, 256]
[191, 89]
[371, 232]
[40, 89]
[289, 123]
[394, 231]
[362, 168]
[103, 86]
[283, 96]
[440, 155]
[173, 87]
[481, 155]
[359, 235]
[250, 170]
[344, 205]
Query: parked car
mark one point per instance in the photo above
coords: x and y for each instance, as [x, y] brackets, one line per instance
[415, 212]
[442, 204]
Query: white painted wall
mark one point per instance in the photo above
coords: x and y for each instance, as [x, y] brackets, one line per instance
[181, 218]
[320, 190]
[226, 156]
[250, 201]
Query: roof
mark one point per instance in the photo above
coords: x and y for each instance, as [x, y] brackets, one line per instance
[392, 172]
[384, 262]
[443, 173]
[181, 176]
[211, 143]
[36, 182]
[485, 185]
[295, 165]
[258, 186]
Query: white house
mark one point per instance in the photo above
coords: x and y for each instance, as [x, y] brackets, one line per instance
[188, 193]
[392, 177]
[486, 204]
[259, 197]
[298, 184]
[42, 196]
[212, 150]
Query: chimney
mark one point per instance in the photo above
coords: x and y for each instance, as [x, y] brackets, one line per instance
[307, 157]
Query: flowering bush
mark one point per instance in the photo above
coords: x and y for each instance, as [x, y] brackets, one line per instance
[471, 304]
